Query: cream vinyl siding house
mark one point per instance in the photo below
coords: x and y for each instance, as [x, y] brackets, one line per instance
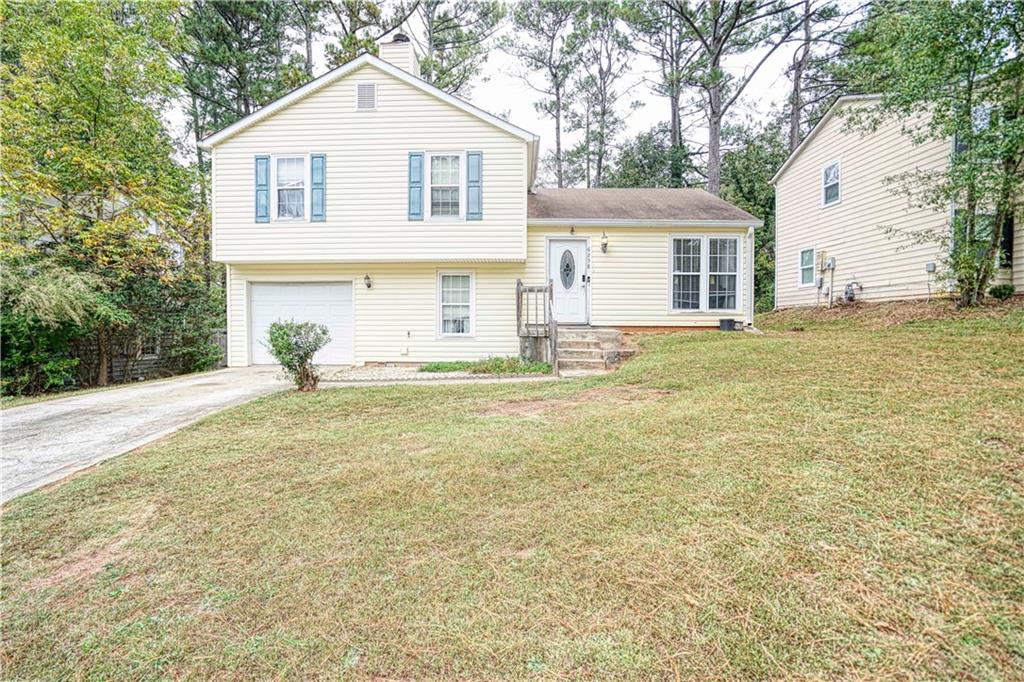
[403, 219]
[836, 198]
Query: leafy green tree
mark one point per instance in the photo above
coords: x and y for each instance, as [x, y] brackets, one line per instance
[456, 36]
[94, 203]
[355, 26]
[754, 154]
[651, 160]
[952, 71]
[540, 41]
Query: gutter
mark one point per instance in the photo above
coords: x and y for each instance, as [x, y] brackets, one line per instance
[612, 222]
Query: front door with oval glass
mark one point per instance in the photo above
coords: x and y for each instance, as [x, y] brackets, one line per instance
[567, 271]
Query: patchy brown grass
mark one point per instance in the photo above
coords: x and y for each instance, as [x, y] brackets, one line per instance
[875, 316]
[602, 396]
[841, 502]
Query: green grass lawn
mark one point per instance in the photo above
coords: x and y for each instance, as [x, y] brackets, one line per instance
[842, 501]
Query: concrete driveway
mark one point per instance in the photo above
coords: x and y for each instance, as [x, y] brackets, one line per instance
[47, 441]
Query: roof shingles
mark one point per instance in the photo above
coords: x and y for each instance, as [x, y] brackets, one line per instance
[685, 204]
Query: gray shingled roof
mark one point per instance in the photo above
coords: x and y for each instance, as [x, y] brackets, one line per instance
[631, 204]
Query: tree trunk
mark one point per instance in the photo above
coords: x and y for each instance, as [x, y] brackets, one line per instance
[197, 133]
[675, 140]
[559, 171]
[715, 140]
[103, 344]
[309, 50]
[800, 60]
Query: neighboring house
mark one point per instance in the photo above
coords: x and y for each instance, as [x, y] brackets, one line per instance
[403, 218]
[834, 206]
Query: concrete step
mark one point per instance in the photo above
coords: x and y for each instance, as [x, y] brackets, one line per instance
[578, 344]
[581, 354]
[573, 373]
[574, 364]
[603, 336]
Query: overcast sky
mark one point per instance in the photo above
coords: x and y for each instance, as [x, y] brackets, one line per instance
[501, 92]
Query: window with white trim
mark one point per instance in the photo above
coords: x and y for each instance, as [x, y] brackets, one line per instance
[290, 187]
[723, 271]
[704, 273]
[455, 299]
[806, 267]
[445, 184]
[830, 184]
[686, 273]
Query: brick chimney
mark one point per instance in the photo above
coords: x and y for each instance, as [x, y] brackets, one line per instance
[399, 51]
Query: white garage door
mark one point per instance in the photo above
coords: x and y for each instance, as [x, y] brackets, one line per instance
[329, 303]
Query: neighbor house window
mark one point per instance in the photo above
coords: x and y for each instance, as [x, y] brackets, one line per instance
[830, 184]
[723, 271]
[806, 267]
[290, 186]
[445, 174]
[704, 273]
[149, 346]
[686, 273]
[456, 303]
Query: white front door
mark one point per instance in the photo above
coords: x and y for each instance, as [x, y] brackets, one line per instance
[328, 303]
[567, 270]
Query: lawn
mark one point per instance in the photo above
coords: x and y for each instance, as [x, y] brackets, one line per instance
[847, 500]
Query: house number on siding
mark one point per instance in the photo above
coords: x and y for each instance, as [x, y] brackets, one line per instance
[568, 269]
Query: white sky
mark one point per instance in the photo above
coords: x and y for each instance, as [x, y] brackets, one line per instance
[500, 92]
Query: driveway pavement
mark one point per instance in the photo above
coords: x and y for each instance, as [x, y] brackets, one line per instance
[47, 441]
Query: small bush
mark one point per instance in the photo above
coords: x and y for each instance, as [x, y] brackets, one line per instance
[294, 344]
[1001, 292]
[494, 365]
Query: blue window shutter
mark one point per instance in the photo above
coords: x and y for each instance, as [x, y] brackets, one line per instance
[415, 185]
[263, 189]
[318, 187]
[474, 185]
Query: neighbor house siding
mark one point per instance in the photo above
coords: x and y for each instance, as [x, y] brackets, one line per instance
[630, 283]
[854, 231]
[367, 181]
[396, 319]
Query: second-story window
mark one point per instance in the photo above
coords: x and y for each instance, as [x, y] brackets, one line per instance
[830, 184]
[445, 180]
[291, 188]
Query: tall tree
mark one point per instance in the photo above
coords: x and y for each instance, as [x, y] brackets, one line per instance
[663, 37]
[308, 18]
[540, 41]
[722, 28]
[355, 26]
[605, 58]
[455, 40]
[952, 71]
[820, 41]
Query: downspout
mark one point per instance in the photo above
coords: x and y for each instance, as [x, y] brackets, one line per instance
[750, 277]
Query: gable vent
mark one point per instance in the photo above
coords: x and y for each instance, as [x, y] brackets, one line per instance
[366, 96]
